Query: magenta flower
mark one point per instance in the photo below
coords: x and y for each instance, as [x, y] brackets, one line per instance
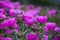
[29, 22]
[41, 19]
[50, 25]
[32, 12]
[45, 29]
[2, 4]
[7, 1]
[9, 22]
[2, 11]
[18, 11]
[2, 26]
[8, 6]
[16, 5]
[28, 16]
[45, 37]
[56, 38]
[30, 7]
[12, 13]
[31, 36]
[8, 31]
[38, 9]
[52, 12]
[2, 38]
[57, 29]
[2, 16]
[20, 16]
[16, 28]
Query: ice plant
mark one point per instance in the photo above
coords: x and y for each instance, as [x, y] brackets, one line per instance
[16, 29]
[27, 15]
[45, 29]
[2, 38]
[12, 12]
[31, 27]
[20, 16]
[41, 19]
[56, 38]
[30, 7]
[8, 31]
[9, 23]
[29, 22]
[31, 36]
[2, 11]
[2, 16]
[57, 29]
[45, 37]
[50, 25]
[52, 12]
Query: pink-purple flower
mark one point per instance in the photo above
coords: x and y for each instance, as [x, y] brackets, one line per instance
[57, 29]
[56, 38]
[29, 22]
[45, 37]
[9, 23]
[41, 19]
[2, 38]
[32, 36]
[52, 12]
[50, 25]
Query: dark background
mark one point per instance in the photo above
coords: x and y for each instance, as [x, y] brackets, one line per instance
[49, 3]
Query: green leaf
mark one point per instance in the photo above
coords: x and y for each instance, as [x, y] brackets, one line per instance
[14, 36]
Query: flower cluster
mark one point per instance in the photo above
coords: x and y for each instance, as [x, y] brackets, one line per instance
[27, 22]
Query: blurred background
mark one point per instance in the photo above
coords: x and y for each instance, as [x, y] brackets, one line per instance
[50, 3]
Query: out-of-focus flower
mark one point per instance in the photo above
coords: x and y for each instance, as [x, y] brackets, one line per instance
[2, 16]
[32, 12]
[45, 37]
[12, 12]
[8, 31]
[20, 16]
[28, 16]
[50, 25]
[52, 12]
[16, 5]
[31, 36]
[29, 22]
[56, 38]
[16, 28]
[2, 38]
[17, 11]
[9, 22]
[41, 19]
[1, 4]
[8, 6]
[45, 29]
[7, 1]
[30, 7]
[38, 9]
[2, 26]
[57, 29]
[2, 11]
